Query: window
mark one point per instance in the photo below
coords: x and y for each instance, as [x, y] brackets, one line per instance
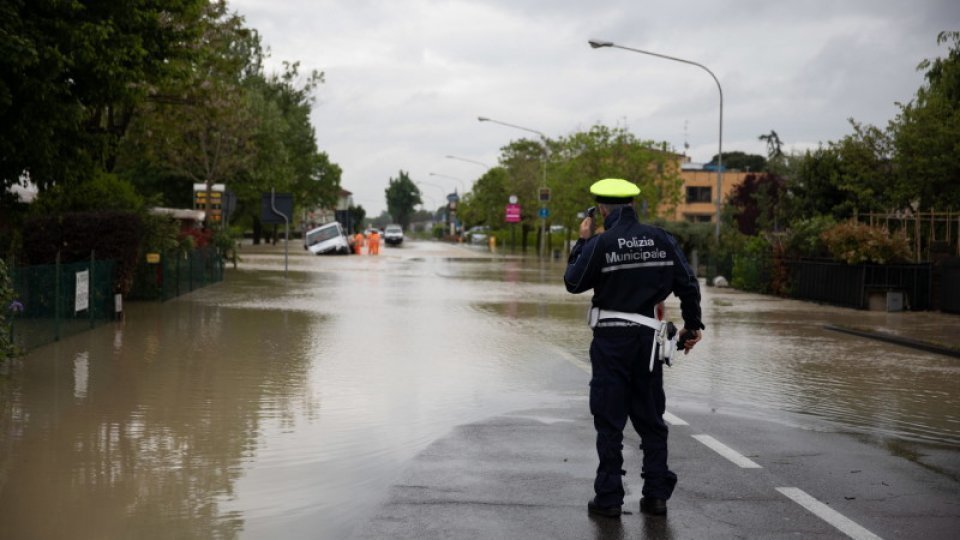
[698, 218]
[697, 194]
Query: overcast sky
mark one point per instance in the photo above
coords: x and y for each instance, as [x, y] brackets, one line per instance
[407, 79]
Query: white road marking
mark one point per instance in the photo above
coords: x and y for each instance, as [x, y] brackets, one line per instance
[831, 516]
[727, 452]
[674, 420]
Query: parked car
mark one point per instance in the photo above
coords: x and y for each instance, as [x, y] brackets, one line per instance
[478, 234]
[327, 239]
[393, 235]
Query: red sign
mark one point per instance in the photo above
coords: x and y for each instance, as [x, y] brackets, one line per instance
[513, 213]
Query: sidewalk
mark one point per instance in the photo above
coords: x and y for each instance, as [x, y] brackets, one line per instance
[933, 327]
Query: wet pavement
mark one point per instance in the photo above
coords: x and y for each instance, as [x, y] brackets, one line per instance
[438, 391]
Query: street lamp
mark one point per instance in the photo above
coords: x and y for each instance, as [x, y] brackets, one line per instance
[480, 163]
[543, 161]
[459, 180]
[597, 44]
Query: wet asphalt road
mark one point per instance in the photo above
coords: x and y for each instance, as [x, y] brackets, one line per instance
[300, 406]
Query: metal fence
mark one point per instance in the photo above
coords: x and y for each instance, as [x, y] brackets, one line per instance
[58, 300]
[176, 273]
[851, 285]
[950, 285]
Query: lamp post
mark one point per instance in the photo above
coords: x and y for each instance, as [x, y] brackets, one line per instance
[543, 161]
[480, 163]
[597, 44]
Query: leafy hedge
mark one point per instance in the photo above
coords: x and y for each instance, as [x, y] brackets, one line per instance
[804, 238]
[752, 266]
[111, 235]
[856, 243]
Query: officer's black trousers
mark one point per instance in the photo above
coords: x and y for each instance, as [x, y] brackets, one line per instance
[622, 386]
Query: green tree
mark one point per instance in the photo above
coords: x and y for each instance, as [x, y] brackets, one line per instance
[582, 158]
[402, 196]
[104, 192]
[757, 201]
[814, 185]
[927, 133]
[71, 76]
[484, 204]
[774, 144]
[224, 120]
[202, 125]
[865, 170]
[741, 161]
[286, 156]
[523, 161]
[358, 214]
[573, 163]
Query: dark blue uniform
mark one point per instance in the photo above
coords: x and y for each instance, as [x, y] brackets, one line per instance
[631, 267]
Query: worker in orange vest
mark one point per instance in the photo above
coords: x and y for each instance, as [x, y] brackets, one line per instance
[373, 243]
[358, 240]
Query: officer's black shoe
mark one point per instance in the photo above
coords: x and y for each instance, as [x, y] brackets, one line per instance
[653, 507]
[606, 511]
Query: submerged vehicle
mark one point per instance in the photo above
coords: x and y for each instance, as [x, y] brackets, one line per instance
[393, 235]
[326, 239]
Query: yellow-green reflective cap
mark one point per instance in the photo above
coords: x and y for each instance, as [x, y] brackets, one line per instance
[614, 190]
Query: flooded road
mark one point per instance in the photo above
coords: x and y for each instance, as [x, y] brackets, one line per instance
[284, 406]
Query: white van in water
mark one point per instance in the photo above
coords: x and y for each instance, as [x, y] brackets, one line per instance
[393, 235]
[326, 239]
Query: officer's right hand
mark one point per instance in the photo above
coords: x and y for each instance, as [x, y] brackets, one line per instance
[692, 340]
[586, 228]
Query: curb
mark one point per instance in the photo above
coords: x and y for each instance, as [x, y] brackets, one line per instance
[897, 340]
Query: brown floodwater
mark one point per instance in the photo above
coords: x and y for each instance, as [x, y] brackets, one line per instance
[284, 406]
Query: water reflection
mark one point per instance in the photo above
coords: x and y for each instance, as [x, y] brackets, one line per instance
[150, 433]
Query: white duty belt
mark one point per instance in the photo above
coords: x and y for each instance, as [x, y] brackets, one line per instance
[661, 341]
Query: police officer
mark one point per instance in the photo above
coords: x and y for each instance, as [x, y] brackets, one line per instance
[631, 267]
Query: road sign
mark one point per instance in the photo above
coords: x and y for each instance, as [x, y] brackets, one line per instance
[82, 299]
[513, 213]
[213, 207]
[544, 194]
[544, 213]
[284, 203]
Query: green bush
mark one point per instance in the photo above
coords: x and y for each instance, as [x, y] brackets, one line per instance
[104, 191]
[804, 237]
[111, 235]
[160, 233]
[855, 243]
[752, 265]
